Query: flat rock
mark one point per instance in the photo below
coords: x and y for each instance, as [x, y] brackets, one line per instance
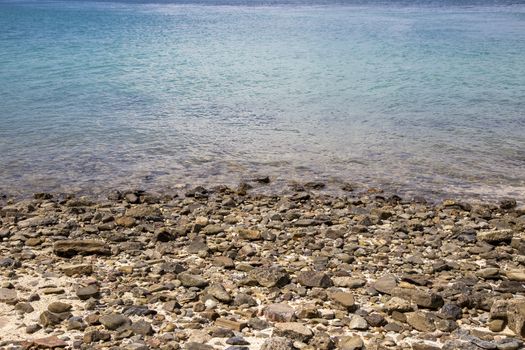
[91, 291]
[69, 248]
[350, 343]
[78, 269]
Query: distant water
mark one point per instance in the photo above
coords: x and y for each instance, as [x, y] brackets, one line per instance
[424, 97]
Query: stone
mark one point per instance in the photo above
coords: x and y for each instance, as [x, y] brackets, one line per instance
[343, 299]
[49, 342]
[96, 336]
[293, 330]
[230, 324]
[314, 279]
[8, 296]
[385, 284]
[398, 304]
[142, 327]
[420, 321]
[24, 308]
[348, 282]
[279, 313]
[33, 328]
[249, 234]
[270, 277]
[189, 280]
[237, 341]
[197, 346]
[350, 343]
[126, 221]
[496, 325]
[79, 269]
[420, 297]
[358, 323]
[516, 275]
[51, 319]
[277, 343]
[114, 321]
[143, 212]
[84, 293]
[495, 236]
[59, 307]
[219, 292]
[70, 248]
[516, 318]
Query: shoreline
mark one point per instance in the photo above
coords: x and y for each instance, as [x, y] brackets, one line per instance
[301, 270]
[277, 185]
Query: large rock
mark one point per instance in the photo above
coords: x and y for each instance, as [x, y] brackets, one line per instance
[72, 247]
[314, 279]
[48, 318]
[79, 269]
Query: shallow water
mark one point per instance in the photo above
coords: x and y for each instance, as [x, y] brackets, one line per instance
[411, 97]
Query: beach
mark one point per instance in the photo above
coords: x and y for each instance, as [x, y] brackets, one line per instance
[228, 268]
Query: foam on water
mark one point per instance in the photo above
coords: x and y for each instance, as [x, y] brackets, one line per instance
[98, 95]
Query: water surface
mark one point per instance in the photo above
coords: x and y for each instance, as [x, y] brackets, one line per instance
[421, 97]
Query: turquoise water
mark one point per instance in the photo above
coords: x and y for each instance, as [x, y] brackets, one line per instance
[419, 98]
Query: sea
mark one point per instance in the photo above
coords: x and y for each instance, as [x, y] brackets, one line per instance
[420, 98]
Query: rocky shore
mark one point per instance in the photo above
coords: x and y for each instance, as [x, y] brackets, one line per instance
[230, 269]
